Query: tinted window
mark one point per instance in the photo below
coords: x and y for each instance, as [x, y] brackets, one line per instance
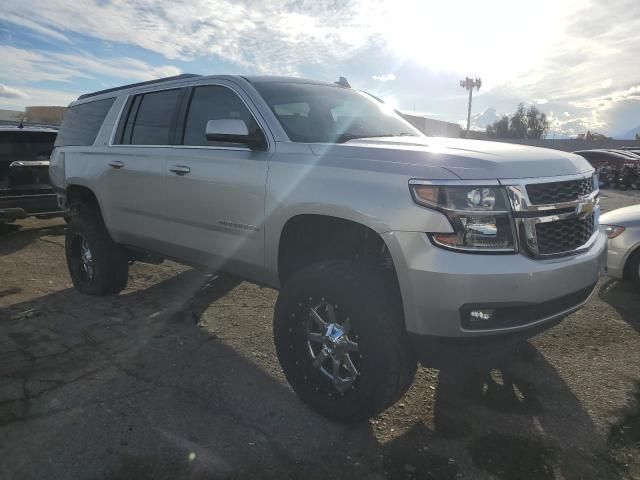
[21, 146]
[213, 103]
[153, 119]
[82, 122]
[323, 113]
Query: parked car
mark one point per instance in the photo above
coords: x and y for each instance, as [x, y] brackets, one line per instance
[24, 172]
[623, 230]
[600, 157]
[386, 246]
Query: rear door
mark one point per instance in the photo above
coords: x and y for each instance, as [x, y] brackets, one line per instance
[216, 191]
[135, 177]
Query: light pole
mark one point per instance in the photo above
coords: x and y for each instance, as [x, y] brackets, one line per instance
[470, 84]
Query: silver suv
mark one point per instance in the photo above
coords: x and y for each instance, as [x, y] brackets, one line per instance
[387, 246]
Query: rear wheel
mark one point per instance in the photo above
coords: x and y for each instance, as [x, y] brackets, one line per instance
[97, 265]
[340, 338]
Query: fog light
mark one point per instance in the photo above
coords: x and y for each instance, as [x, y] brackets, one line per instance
[481, 314]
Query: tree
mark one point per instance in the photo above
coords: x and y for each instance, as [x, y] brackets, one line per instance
[537, 123]
[518, 125]
[499, 129]
[524, 123]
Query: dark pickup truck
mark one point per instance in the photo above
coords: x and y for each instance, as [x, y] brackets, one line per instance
[24, 173]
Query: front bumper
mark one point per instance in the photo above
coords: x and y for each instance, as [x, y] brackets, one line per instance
[439, 287]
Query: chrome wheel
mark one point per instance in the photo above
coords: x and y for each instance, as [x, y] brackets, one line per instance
[87, 268]
[331, 345]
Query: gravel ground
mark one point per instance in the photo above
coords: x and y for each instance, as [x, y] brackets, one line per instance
[177, 378]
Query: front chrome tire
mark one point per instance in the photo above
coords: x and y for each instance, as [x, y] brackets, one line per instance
[340, 338]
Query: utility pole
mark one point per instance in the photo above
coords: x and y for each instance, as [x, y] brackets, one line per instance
[470, 84]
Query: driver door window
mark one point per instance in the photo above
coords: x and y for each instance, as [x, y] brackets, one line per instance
[213, 102]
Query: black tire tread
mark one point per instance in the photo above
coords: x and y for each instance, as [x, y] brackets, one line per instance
[631, 268]
[110, 259]
[368, 285]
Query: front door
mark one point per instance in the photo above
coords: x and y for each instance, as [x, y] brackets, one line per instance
[216, 191]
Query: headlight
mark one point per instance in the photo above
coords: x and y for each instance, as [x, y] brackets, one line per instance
[479, 216]
[612, 231]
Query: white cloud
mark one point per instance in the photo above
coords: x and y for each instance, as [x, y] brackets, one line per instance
[10, 92]
[386, 77]
[26, 67]
[267, 37]
[567, 52]
[37, 96]
[35, 66]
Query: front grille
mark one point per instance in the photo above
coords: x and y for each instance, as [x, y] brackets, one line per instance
[559, 192]
[564, 235]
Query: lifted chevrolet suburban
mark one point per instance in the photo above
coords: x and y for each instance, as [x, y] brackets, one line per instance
[387, 246]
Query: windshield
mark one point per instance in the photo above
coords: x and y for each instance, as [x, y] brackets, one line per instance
[21, 145]
[321, 113]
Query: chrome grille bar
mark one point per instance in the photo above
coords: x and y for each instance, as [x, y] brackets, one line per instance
[528, 215]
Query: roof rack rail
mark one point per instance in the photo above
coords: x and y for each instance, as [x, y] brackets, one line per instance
[140, 84]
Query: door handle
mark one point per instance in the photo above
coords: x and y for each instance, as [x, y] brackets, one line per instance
[116, 164]
[179, 169]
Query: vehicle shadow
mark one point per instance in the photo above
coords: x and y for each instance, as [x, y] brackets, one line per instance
[624, 298]
[510, 418]
[148, 385]
[14, 237]
[135, 386]
[520, 419]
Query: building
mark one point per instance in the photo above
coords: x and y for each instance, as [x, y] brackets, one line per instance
[431, 127]
[49, 115]
[11, 116]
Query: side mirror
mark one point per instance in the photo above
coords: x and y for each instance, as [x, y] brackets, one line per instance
[234, 131]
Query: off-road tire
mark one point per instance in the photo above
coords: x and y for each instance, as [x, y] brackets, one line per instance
[387, 365]
[110, 260]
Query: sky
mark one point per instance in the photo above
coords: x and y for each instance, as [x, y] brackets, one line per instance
[578, 60]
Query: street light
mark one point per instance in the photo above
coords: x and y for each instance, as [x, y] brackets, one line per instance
[470, 84]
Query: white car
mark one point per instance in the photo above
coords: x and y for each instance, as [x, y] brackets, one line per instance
[623, 229]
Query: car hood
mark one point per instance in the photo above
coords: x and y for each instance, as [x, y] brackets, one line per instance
[467, 159]
[625, 217]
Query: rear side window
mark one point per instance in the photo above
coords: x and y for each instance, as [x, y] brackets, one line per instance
[21, 145]
[214, 102]
[150, 118]
[82, 122]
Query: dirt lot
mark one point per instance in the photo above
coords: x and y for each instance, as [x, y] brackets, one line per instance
[177, 378]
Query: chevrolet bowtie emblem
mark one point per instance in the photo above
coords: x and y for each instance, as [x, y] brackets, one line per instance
[585, 208]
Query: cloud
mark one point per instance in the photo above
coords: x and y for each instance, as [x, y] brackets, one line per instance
[9, 92]
[565, 52]
[266, 38]
[28, 67]
[36, 96]
[35, 66]
[384, 77]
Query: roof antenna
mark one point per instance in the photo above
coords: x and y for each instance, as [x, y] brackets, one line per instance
[343, 82]
[21, 123]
